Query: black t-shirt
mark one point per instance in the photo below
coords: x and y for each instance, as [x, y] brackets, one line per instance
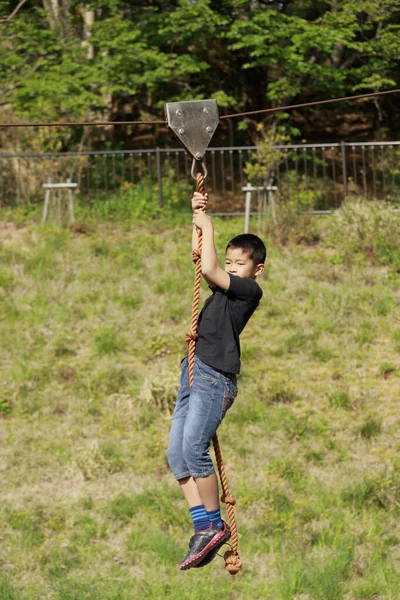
[221, 321]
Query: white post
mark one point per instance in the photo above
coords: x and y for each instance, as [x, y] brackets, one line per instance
[46, 205]
[71, 206]
[260, 193]
[248, 189]
[271, 200]
[71, 203]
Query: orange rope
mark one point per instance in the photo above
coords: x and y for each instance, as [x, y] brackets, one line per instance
[233, 563]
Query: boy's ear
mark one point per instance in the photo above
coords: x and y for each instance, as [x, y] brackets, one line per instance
[259, 269]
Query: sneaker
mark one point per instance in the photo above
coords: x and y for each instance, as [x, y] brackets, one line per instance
[211, 555]
[201, 543]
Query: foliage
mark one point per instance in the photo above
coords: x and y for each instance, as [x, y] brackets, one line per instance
[322, 45]
[268, 156]
[117, 59]
[369, 228]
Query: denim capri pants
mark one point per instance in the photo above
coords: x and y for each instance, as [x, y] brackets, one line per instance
[197, 415]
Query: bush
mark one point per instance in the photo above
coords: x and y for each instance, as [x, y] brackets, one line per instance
[370, 229]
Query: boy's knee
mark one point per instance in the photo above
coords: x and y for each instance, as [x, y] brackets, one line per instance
[197, 459]
[170, 457]
[174, 457]
[177, 463]
[187, 451]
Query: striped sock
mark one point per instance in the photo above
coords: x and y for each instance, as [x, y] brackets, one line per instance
[199, 518]
[215, 517]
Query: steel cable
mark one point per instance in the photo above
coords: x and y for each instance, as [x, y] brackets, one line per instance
[223, 117]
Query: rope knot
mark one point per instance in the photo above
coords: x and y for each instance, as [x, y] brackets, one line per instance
[228, 499]
[191, 335]
[195, 256]
[233, 564]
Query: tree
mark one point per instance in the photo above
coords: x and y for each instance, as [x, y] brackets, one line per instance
[316, 50]
[118, 59]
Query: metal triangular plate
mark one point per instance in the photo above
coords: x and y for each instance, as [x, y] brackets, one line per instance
[193, 123]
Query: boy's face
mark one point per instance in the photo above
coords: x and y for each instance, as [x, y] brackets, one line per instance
[239, 263]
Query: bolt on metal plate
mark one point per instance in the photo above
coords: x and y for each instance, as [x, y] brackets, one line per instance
[194, 123]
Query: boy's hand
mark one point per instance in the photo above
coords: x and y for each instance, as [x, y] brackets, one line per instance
[199, 202]
[200, 219]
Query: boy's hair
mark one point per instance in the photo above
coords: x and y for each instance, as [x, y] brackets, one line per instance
[252, 244]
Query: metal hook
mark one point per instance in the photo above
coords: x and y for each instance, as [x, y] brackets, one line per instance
[193, 170]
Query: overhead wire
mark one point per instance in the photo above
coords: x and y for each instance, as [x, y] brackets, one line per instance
[222, 117]
[305, 104]
[82, 123]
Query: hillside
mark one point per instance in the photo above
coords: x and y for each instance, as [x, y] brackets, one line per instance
[92, 330]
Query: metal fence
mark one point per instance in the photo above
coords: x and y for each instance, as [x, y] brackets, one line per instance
[312, 177]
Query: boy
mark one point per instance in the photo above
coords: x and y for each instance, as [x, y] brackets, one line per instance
[200, 410]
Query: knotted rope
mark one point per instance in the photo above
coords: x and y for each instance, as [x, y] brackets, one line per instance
[233, 563]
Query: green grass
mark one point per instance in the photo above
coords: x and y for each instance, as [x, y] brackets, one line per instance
[92, 330]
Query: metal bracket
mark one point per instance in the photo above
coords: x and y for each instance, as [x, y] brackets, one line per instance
[193, 123]
[197, 166]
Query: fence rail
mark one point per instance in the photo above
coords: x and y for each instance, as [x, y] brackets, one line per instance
[313, 177]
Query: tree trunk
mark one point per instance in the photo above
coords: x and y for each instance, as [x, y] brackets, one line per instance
[338, 50]
[88, 22]
[52, 9]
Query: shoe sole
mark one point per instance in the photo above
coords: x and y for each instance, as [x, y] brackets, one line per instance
[209, 557]
[197, 558]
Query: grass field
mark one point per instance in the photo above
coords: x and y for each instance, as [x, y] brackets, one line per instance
[92, 330]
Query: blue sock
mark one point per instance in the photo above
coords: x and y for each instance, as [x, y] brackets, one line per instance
[200, 517]
[215, 517]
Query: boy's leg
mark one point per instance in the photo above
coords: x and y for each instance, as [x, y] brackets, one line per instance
[197, 415]
[202, 513]
[176, 459]
[190, 491]
[175, 454]
[208, 491]
[206, 537]
[208, 404]
[210, 397]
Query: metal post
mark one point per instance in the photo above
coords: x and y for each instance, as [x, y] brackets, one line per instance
[259, 208]
[271, 201]
[46, 205]
[71, 202]
[159, 178]
[344, 169]
[248, 189]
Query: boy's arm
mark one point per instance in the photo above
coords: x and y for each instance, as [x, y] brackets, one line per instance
[211, 271]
